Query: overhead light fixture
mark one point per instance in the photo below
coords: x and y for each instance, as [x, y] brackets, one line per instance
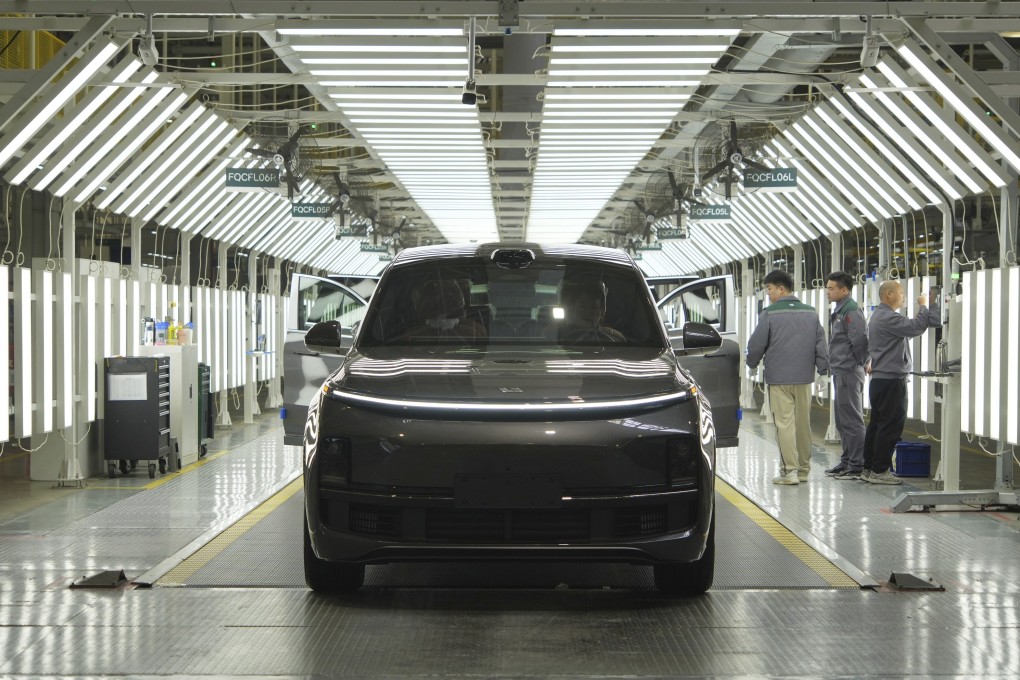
[870, 50]
[40, 153]
[951, 92]
[66, 87]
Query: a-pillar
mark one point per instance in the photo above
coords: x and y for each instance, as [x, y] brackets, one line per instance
[69, 390]
[1008, 218]
[253, 355]
[275, 344]
[951, 395]
[798, 267]
[226, 338]
[745, 324]
[835, 265]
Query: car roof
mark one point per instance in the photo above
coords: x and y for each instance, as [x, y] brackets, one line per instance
[485, 250]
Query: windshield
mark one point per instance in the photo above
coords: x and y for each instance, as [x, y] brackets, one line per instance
[551, 303]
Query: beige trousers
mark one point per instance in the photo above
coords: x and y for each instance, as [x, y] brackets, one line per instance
[791, 408]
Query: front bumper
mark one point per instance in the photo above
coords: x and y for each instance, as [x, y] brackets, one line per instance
[375, 528]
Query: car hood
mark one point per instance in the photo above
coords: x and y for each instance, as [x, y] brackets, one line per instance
[507, 379]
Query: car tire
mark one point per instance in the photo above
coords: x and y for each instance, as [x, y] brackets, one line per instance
[330, 577]
[688, 578]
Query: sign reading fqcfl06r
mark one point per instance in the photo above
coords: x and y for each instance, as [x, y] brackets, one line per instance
[310, 210]
[252, 179]
[710, 212]
[778, 179]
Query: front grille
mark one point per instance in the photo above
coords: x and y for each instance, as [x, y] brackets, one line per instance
[507, 526]
[550, 525]
[375, 520]
[640, 521]
[464, 525]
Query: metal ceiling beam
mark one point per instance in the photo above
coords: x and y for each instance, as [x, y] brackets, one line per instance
[967, 27]
[528, 8]
[60, 61]
[972, 80]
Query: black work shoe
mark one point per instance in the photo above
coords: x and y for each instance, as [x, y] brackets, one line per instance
[836, 470]
[848, 474]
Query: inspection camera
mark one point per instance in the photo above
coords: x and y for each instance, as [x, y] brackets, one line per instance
[147, 51]
[469, 95]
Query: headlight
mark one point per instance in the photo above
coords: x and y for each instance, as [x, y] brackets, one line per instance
[682, 461]
[334, 461]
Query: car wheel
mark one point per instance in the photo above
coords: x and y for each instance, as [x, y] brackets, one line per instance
[330, 577]
[689, 578]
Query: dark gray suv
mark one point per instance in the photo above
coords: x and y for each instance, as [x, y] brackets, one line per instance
[514, 402]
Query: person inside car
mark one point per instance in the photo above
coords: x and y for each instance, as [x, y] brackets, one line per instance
[441, 312]
[584, 308]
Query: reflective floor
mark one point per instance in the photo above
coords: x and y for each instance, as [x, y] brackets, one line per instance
[771, 615]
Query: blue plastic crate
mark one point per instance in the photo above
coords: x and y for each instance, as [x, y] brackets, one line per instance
[912, 459]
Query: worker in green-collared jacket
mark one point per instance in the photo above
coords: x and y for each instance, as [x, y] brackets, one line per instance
[791, 341]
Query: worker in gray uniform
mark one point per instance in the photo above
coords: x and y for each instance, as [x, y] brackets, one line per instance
[889, 336]
[791, 341]
[848, 354]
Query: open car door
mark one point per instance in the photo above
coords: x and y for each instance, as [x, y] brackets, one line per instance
[709, 301]
[312, 299]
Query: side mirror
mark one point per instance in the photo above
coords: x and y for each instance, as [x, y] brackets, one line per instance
[695, 336]
[701, 336]
[327, 337]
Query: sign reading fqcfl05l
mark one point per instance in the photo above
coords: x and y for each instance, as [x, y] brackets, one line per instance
[252, 179]
[777, 179]
[307, 211]
[710, 212]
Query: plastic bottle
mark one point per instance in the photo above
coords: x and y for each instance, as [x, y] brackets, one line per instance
[184, 334]
[161, 332]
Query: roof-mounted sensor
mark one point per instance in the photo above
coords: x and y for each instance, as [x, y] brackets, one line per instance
[513, 258]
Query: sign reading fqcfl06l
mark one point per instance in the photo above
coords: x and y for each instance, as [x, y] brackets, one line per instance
[252, 179]
[710, 212]
[307, 211]
[777, 179]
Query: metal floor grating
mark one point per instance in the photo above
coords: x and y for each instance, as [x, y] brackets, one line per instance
[270, 555]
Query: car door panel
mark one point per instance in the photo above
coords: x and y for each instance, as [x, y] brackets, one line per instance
[710, 300]
[312, 299]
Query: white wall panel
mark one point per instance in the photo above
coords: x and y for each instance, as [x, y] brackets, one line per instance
[22, 352]
[44, 334]
[5, 348]
[65, 352]
[1012, 349]
[89, 343]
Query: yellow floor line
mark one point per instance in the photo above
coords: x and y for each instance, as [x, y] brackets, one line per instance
[179, 575]
[811, 558]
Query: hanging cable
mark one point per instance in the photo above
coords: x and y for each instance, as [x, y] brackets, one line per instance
[4, 260]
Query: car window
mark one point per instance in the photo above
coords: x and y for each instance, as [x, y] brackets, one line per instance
[320, 300]
[551, 303]
[702, 304]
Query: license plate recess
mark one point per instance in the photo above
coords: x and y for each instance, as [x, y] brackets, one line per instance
[508, 491]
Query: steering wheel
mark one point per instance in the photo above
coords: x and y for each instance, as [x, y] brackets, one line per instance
[592, 334]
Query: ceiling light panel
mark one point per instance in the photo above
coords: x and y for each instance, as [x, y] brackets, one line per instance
[944, 121]
[924, 133]
[611, 94]
[104, 119]
[64, 127]
[408, 109]
[962, 102]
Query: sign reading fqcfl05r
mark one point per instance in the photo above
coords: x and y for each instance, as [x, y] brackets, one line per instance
[778, 179]
[252, 179]
[710, 212]
[304, 211]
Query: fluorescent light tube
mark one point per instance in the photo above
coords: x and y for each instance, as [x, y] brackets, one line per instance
[52, 101]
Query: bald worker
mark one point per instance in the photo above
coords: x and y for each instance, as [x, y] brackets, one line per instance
[889, 364]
